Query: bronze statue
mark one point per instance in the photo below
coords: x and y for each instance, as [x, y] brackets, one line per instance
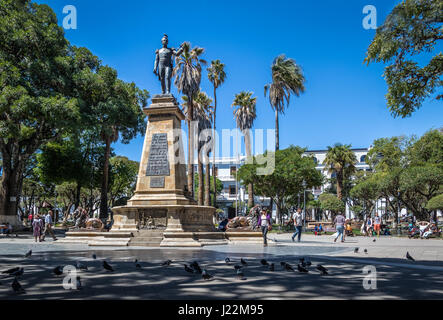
[163, 65]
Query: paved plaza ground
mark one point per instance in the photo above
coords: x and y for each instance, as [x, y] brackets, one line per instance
[397, 277]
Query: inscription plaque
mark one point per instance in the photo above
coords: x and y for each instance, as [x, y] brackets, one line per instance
[157, 182]
[158, 164]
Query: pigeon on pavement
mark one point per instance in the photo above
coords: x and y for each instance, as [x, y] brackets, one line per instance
[187, 269]
[94, 256]
[17, 287]
[240, 275]
[196, 267]
[264, 262]
[322, 269]
[28, 254]
[288, 267]
[366, 251]
[271, 267]
[166, 263]
[12, 270]
[107, 266]
[238, 267]
[18, 273]
[356, 250]
[227, 260]
[302, 269]
[206, 275]
[408, 256]
[243, 262]
[58, 271]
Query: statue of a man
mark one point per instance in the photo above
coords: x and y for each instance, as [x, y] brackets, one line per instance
[163, 65]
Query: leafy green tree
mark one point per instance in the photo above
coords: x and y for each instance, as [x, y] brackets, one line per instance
[412, 28]
[427, 149]
[291, 168]
[188, 71]
[217, 76]
[331, 203]
[36, 105]
[123, 178]
[340, 160]
[436, 203]
[364, 196]
[244, 115]
[287, 79]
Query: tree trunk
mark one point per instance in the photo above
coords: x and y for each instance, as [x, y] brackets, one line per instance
[339, 184]
[104, 188]
[214, 177]
[200, 180]
[248, 149]
[190, 148]
[10, 186]
[77, 195]
[207, 182]
[277, 142]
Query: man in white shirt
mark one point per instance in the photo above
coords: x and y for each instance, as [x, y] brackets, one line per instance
[48, 226]
[298, 224]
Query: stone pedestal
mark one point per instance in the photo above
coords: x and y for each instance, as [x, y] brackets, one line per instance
[162, 183]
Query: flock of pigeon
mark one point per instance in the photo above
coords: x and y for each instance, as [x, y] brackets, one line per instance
[194, 268]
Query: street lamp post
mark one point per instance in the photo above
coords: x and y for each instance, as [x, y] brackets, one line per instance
[304, 203]
[398, 213]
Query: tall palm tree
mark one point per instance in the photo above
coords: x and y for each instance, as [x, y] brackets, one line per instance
[245, 114]
[287, 79]
[216, 75]
[340, 160]
[202, 113]
[188, 70]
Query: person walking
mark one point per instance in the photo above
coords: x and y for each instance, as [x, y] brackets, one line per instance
[369, 226]
[298, 223]
[377, 224]
[264, 221]
[48, 226]
[339, 222]
[37, 225]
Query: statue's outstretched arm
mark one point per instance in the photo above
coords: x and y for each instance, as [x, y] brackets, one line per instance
[179, 51]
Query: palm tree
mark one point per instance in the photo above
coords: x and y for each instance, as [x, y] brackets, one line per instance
[287, 79]
[188, 77]
[217, 75]
[245, 115]
[202, 113]
[340, 160]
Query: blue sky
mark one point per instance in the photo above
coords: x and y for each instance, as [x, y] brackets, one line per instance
[344, 99]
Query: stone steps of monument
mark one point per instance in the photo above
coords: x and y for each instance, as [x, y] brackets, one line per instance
[109, 241]
[144, 244]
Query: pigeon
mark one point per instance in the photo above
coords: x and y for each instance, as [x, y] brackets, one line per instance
[264, 262]
[302, 269]
[408, 256]
[302, 262]
[366, 251]
[94, 256]
[374, 240]
[227, 260]
[271, 267]
[288, 267]
[308, 262]
[58, 271]
[283, 264]
[196, 267]
[81, 266]
[356, 250]
[322, 269]
[243, 262]
[18, 273]
[17, 287]
[206, 275]
[237, 267]
[240, 275]
[78, 283]
[187, 269]
[107, 266]
[11, 271]
[138, 266]
[166, 263]
[28, 254]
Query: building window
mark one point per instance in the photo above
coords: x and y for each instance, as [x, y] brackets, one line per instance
[315, 160]
[232, 190]
[363, 158]
[233, 170]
